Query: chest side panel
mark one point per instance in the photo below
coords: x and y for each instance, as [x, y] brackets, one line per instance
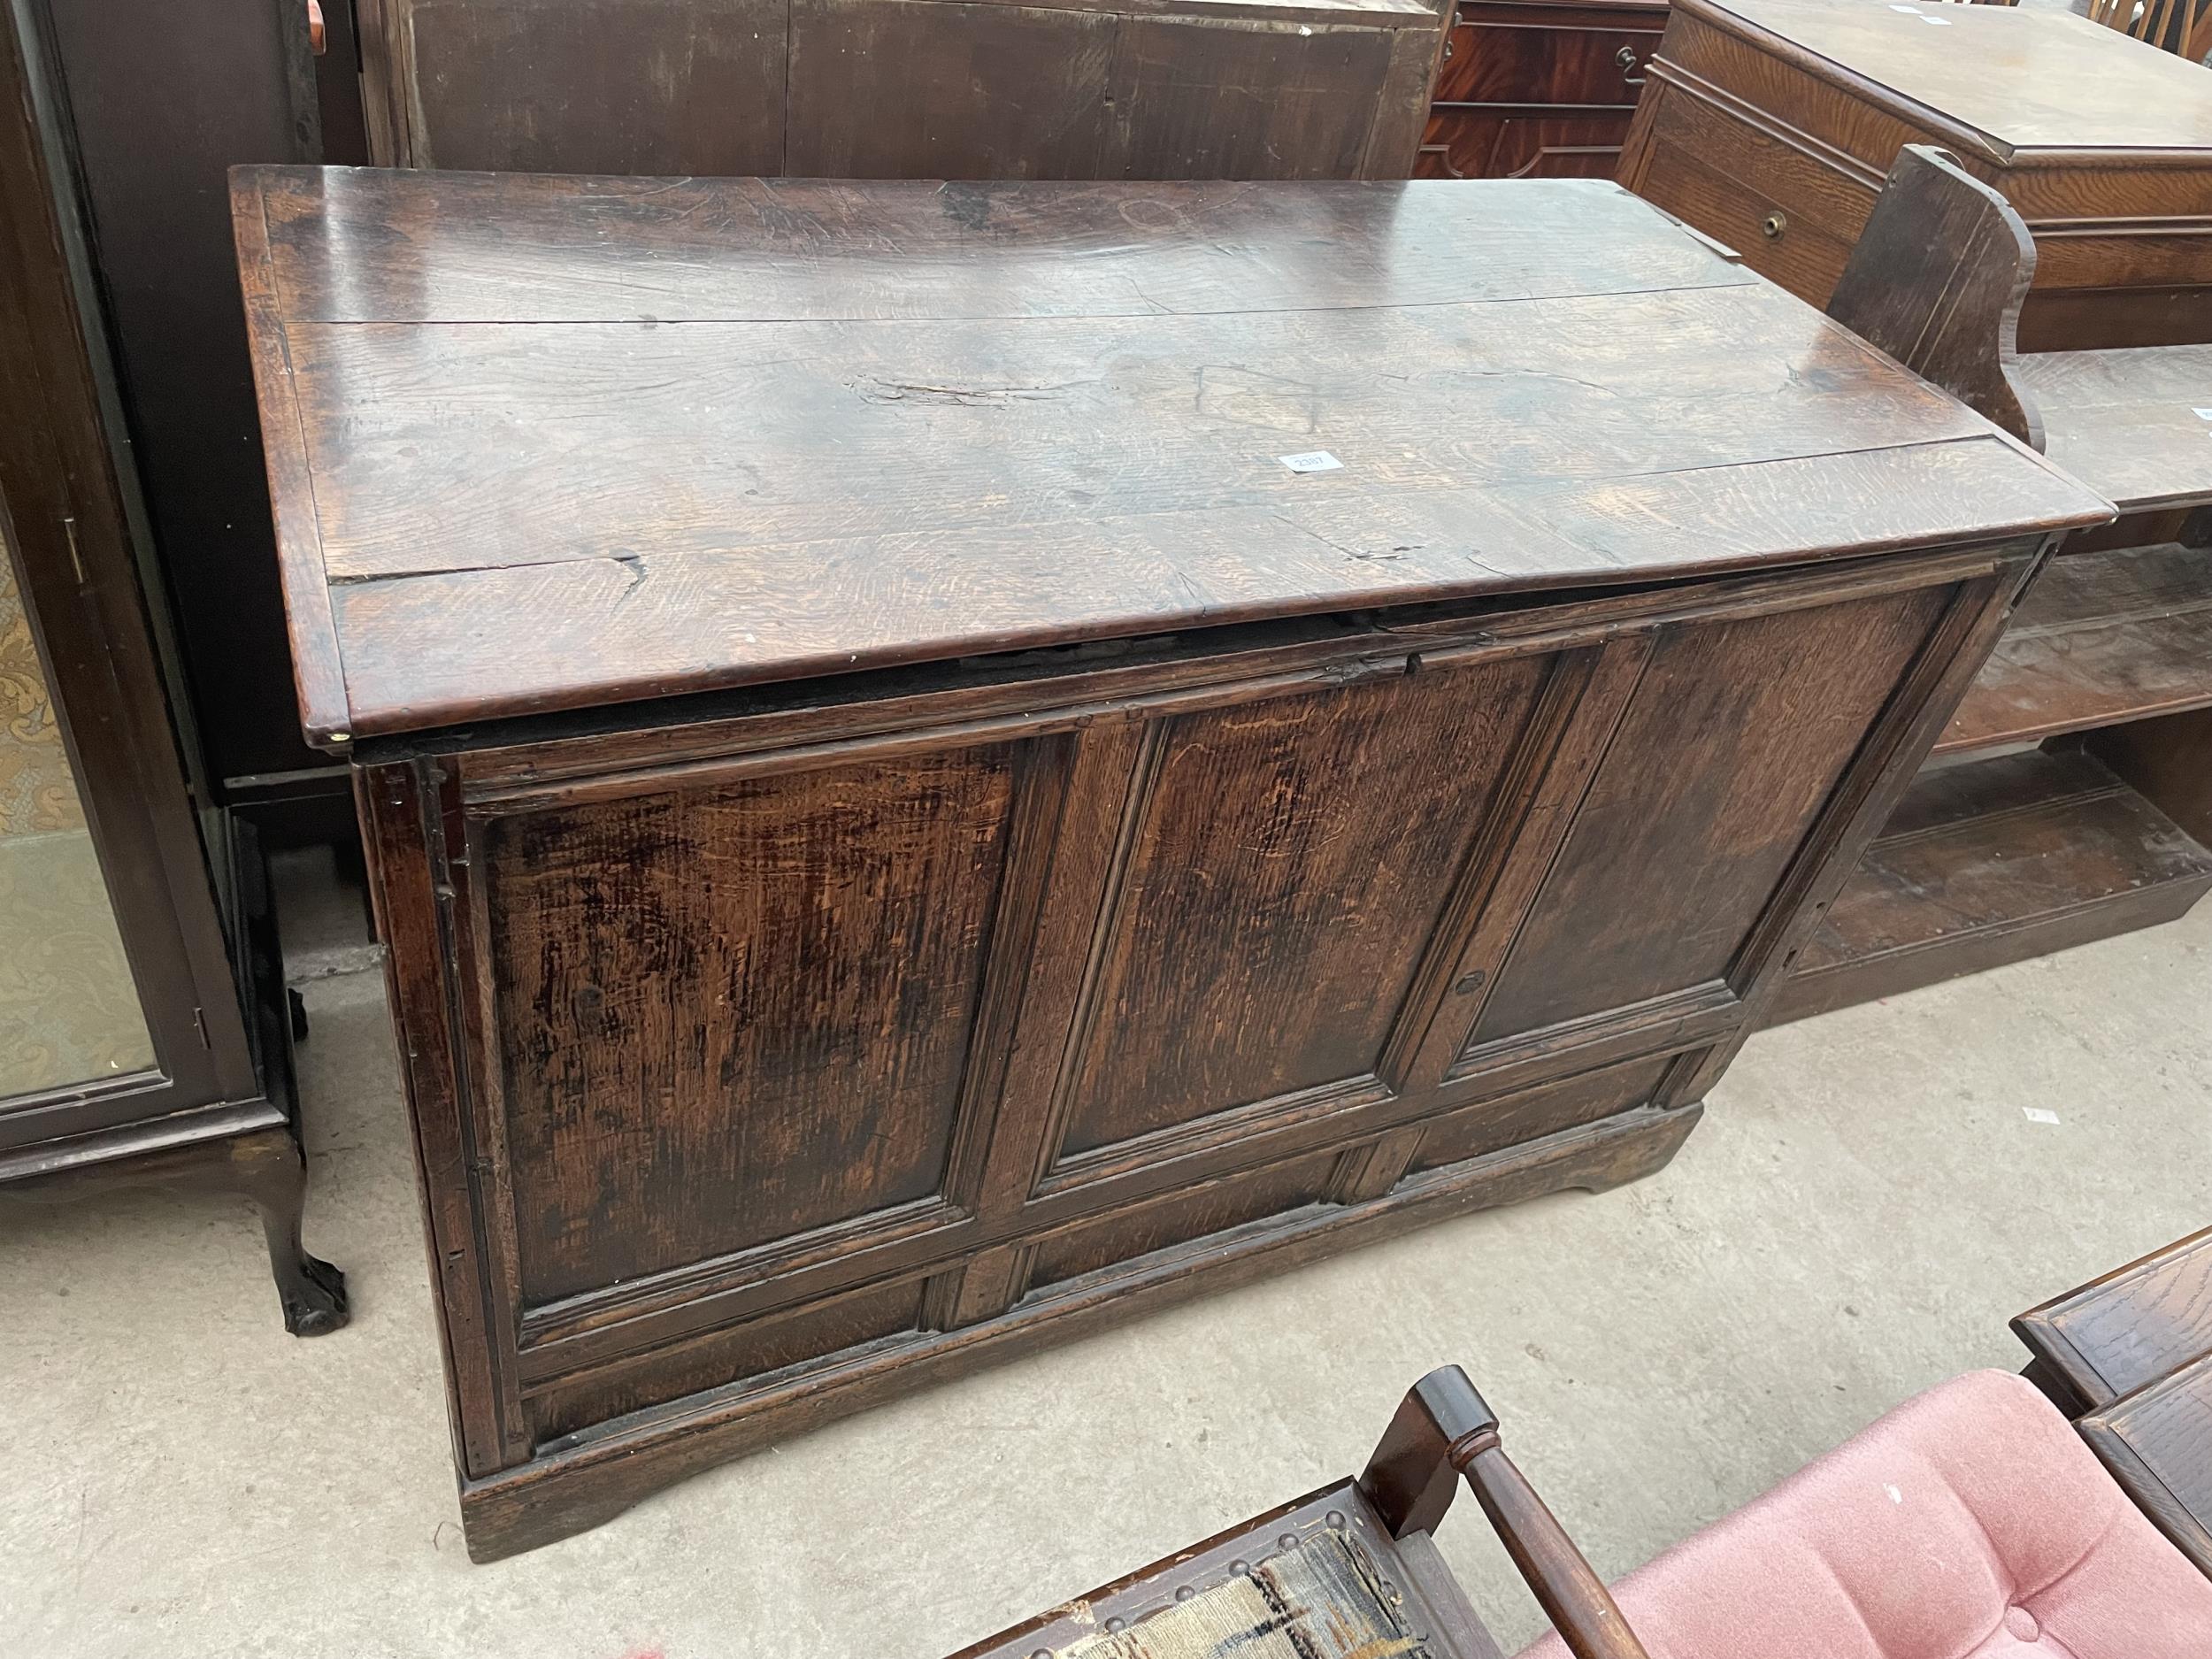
[732, 1014]
[1737, 733]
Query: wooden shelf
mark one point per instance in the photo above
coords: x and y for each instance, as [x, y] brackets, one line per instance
[2102, 638]
[1994, 860]
[2125, 421]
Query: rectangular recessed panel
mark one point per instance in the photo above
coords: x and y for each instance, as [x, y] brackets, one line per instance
[1212, 1207]
[755, 1348]
[1737, 733]
[1495, 1125]
[1285, 873]
[732, 1014]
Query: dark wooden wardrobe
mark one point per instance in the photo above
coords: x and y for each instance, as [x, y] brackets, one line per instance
[144, 1029]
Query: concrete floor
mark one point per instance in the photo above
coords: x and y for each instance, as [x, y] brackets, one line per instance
[1863, 1209]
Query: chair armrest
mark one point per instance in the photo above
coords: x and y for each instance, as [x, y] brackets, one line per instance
[1443, 1430]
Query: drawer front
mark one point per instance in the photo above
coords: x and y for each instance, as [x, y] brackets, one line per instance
[1793, 249]
[1492, 61]
[1793, 212]
[1465, 145]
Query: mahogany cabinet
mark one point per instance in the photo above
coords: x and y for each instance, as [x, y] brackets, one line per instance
[1526, 89]
[946, 764]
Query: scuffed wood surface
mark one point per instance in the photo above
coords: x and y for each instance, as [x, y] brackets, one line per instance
[2128, 1329]
[572, 442]
[2134, 424]
[2018, 77]
[2157, 1442]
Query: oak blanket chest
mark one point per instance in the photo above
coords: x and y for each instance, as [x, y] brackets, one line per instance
[946, 764]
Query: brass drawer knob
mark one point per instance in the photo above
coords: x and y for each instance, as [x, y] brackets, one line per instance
[1774, 224]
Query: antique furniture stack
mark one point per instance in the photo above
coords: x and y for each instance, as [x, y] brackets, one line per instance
[948, 763]
[1967, 1522]
[2072, 794]
[2129, 1355]
[144, 1029]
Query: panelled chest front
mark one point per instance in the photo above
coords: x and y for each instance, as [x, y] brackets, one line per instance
[1771, 124]
[947, 763]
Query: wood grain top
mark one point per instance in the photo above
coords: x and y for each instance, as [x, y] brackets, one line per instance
[541, 443]
[2134, 424]
[2128, 1329]
[2024, 78]
[2158, 1443]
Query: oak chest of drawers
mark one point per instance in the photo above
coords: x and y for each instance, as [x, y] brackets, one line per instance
[1770, 124]
[944, 764]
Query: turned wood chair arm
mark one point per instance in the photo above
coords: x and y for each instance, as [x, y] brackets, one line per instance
[1443, 1430]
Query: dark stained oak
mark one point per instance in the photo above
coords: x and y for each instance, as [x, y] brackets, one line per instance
[1594, 940]
[2127, 1329]
[1444, 1430]
[1305, 995]
[907, 832]
[2014, 78]
[902, 88]
[2129, 1355]
[1102, 448]
[1537, 89]
[772, 893]
[2157, 1442]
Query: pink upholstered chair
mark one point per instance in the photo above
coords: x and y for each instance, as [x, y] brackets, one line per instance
[1971, 1523]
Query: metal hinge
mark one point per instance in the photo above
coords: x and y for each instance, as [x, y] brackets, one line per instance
[199, 1023]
